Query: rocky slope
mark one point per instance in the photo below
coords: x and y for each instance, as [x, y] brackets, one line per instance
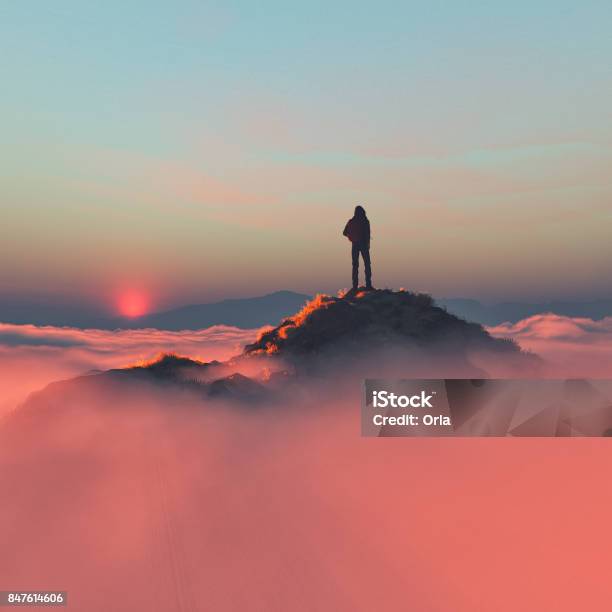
[365, 326]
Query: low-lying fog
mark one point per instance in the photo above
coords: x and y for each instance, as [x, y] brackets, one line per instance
[32, 356]
[157, 502]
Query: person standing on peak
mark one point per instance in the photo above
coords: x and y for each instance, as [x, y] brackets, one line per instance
[357, 230]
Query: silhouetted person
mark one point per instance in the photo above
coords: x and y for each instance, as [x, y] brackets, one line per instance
[357, 230]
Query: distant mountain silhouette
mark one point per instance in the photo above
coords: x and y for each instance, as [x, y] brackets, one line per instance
[41, 312]
[241, 312]
[268, 309]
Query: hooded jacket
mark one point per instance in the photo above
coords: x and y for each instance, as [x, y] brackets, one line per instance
[357, 228]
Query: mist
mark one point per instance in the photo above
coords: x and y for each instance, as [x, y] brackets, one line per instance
[570, 346]
[145, 499]
[152, 497]
[33, 356]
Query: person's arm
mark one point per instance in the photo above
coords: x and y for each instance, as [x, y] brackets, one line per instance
[367, 228]
[346, 227]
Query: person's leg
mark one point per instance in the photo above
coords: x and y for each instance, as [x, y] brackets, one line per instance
[355, 259]
[365, 253]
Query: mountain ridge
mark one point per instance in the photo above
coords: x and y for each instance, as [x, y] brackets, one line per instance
[244, 313]
[356, 335]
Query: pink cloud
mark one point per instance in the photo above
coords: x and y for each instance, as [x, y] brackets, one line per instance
[573, 346]
[32, 356]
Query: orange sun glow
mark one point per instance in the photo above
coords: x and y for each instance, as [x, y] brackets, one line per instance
[132, 304]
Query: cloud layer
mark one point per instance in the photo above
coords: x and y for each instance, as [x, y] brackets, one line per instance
[33, 356]
[573, 346]
[221, 502]
[139, 500]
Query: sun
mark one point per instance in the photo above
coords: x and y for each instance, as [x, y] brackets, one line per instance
[133, 304]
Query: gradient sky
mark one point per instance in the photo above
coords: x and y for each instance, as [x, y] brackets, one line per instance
[192, 151]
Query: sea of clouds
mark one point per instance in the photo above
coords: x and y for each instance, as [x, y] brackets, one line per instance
[572, 346]
[32, 356]
[145, 501]
[148, 500]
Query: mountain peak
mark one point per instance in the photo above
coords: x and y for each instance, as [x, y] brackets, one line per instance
[366, 319]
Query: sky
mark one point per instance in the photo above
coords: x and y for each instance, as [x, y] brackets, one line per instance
[185, 151]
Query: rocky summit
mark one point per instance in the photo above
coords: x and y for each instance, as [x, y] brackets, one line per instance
[358, 323]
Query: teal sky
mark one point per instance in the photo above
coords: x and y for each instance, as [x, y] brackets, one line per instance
[194, 150]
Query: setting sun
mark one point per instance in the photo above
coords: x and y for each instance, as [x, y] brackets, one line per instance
[133, 304]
